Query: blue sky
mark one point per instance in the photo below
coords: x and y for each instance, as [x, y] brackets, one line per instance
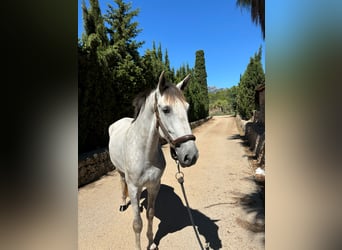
[220, 28]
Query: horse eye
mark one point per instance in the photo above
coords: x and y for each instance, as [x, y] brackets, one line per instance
[166, 109]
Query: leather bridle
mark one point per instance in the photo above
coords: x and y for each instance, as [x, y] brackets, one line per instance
[174, 143]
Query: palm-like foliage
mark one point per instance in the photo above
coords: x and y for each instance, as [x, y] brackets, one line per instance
[257, 8]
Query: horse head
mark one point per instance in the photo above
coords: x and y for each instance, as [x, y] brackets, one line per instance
[171, 109]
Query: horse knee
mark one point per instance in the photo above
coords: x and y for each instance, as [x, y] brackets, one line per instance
[150, 213]
[137, 225]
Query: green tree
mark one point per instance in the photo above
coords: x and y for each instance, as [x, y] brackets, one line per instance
[110, 71]
[169, 74]
[201, 78]
[257, 9]
[232, 99]
[154, 63]
[223, 101]
[160, 53]
[127, 73]
[197, 91]
[94, 80]
[192, 93]
[180, 73]
[122, 30]
[150, 74]
[95, 31]
[252, 77]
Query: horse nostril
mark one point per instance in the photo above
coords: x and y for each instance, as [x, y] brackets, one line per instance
[194, 159]
[189, 160]
[186, 158]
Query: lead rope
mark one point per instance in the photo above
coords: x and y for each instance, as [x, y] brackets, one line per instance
[180, 179]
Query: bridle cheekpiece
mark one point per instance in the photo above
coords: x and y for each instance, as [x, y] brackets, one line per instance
[174, 143]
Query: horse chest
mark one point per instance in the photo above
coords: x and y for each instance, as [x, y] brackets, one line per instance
[152, 174]
[145, 174]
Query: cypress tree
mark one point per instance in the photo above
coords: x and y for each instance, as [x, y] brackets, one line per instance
[232, 99]
[154, 64]
[167, 61]
[252, 77]
[160, 53]
[180, 73]
[201, 79]
[149, 73]
[191, 92]
[169, 74]
[154, 49]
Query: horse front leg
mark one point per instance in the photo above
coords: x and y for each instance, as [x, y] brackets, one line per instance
[124, 191]
[134, 193]
[152, 193]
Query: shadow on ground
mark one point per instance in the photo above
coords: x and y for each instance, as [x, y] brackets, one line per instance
[243, 139]
[173, 216]
[253, 202]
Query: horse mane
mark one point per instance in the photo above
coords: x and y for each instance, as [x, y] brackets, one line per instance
[170, 91]
[139, 102]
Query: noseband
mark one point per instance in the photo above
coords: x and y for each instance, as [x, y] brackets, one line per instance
[174, 143]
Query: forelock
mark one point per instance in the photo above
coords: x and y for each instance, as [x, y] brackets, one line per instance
[171, 94]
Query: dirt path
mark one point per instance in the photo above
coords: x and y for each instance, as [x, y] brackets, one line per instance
[226, 206]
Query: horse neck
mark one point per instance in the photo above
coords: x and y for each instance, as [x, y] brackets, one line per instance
[145, 125]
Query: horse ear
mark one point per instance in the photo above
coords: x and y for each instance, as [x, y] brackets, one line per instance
[161, 83]
[182, 84]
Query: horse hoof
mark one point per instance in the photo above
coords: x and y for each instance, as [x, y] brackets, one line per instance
[153, 247]
[123, 208]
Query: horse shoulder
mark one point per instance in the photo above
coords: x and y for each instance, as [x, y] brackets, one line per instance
[117, 133]
[120, 125]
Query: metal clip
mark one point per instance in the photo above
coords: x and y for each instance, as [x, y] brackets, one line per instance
[180, 177]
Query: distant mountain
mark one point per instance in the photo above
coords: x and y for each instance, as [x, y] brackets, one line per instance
[213, 89]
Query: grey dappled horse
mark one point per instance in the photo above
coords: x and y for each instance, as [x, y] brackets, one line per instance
[135, 147]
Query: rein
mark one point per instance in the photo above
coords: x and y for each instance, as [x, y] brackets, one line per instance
[174, 143]
[180, 178]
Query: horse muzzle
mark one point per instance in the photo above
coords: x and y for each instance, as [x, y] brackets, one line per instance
[189, 159]
[186, 153]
